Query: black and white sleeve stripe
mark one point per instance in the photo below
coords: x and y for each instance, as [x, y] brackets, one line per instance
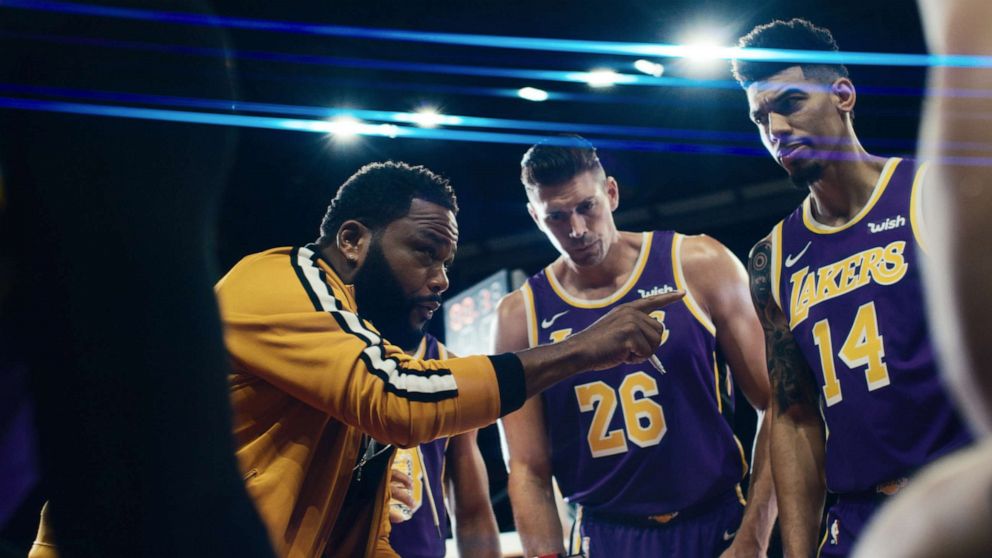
[437, 386]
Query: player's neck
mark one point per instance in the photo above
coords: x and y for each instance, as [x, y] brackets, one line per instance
[604, 278]
[845, 188]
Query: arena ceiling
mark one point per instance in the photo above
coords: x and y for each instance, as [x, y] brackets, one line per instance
[681, 146]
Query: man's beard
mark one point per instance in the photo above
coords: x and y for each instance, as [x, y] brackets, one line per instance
[805, 175]
[381, 300]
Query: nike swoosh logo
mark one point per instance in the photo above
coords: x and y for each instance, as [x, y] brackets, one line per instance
[549, 322]
[727, 535]
[791, 260]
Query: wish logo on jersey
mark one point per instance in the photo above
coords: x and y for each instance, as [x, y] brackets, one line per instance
[888, 224]
[883, 265]
[656, 290]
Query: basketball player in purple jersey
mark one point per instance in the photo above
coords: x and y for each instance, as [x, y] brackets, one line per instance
[857, 399]
[417, 511]
[948, 508]
[643, 450]
[420, 524]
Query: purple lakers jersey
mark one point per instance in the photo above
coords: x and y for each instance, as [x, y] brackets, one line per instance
[423, 535]
[854, 302]
[631, 439]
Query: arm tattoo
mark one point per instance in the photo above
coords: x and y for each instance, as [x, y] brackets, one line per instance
[792, 381]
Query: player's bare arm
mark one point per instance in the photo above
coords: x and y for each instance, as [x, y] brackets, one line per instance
[475, 523]
[719, 283]
[797, 441]
[534, 510]
[792, 382]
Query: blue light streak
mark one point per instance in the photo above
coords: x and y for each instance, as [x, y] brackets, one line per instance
[373, 64]
[399, 117]
[377, 115]
[326, 127]
[495, 41]
[332, 128]
[478, 71]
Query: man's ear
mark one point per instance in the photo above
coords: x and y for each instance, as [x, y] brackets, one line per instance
[612, 192]
[353, 241]
[845, 96]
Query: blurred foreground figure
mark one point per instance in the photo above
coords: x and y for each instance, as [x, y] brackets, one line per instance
[947, 510]
[111, 221]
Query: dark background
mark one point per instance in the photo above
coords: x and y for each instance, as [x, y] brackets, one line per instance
[693, 162]
[281, 181]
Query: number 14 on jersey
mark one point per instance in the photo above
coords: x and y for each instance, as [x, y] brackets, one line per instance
[864, 346]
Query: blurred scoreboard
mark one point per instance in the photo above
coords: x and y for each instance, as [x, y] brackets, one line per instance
[469, 316]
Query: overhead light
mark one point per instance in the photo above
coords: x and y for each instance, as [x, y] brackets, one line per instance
[427, 117]
[532, 94]
[650, 68]
[345, 127]
[703, 49]
[602, 78]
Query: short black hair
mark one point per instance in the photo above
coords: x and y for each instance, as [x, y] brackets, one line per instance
[557, 160]
[795, 34]
[380, 193]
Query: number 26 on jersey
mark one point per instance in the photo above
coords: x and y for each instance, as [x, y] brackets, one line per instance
[643, 419]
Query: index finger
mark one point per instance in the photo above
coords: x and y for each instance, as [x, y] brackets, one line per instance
[654, 302]
[402, 478]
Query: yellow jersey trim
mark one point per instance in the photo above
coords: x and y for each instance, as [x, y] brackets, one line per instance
[883, 181]
[421, 349]
[716, 383]
[916, 208]
[575, 544]
[689, 300]
[421, 352]
[823, 542]
[642, 260]
[776, 264]
[444, 472]
[530, 313]
[740, 448]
